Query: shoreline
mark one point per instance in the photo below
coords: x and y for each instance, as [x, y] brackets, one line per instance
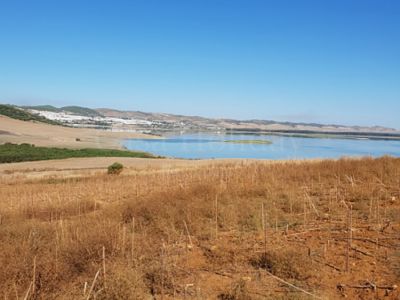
[39, 134]
[379, 136]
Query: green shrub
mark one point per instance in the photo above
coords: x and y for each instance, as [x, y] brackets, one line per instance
[115, 168]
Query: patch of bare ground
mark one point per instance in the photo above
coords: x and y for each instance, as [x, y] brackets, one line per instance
[306, 230]
[5, 132]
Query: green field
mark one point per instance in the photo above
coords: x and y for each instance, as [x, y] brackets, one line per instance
[25, 152]
[263, 142]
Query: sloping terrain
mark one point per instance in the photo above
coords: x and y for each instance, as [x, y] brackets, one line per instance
[78, 110]
[244, 125]
[82, 111]
[159, 122]
[244, 230]
[20, 114]
[40, 134]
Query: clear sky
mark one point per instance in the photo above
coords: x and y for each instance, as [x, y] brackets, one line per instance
[334, 61]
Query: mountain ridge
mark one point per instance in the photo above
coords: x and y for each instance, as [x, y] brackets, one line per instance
[108, 112]
[183, 122]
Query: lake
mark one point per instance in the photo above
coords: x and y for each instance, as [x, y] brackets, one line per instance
[197, 146]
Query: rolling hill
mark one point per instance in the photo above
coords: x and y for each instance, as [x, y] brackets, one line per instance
[77, 110]
[23, 115]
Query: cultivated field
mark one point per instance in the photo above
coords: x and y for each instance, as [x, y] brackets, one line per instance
[230, 230]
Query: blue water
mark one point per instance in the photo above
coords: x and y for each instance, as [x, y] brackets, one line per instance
[213, 146]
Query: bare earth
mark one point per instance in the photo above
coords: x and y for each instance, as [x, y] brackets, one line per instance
[40, 134]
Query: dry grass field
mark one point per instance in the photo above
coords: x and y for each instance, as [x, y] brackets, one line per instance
[41, 134]
[233, 230]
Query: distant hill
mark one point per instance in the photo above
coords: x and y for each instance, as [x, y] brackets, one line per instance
[20, 114]
[232, 125]
[173, 122]
[77, 110]
[43, 108]
[82, 111]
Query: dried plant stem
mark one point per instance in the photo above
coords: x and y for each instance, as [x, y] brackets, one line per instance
[264, 225]
[85, 288]
[123, 240]
[93, 284]
[133, 239]
[34, 275]
[216, 216]
[16, 291]
[292, 285]
[104, 265]
[56, 259]
[28, 291]
[188, 234]
[349, 239]
[351, 226]
[162, 270]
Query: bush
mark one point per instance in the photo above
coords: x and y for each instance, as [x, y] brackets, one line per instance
[115, 168]
[288, 264]
[124, 283]
[238, 291]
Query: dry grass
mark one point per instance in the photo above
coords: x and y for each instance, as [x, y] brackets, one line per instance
[52, 233]
[46, 135]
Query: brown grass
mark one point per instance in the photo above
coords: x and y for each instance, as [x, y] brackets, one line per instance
[52, 233]
[41, 134]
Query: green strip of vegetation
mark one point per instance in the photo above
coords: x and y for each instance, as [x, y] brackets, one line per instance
[264, 142]
[20, 114]
[25, 152]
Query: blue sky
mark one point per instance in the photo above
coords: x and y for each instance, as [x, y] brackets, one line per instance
[323, 61]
